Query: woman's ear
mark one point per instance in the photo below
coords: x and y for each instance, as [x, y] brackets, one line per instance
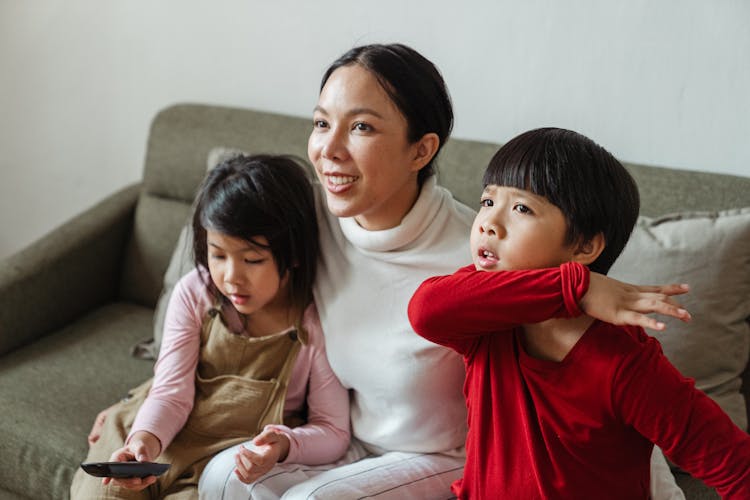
[588, 251]
[424, 150]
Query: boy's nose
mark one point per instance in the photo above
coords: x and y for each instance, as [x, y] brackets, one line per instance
[486, 228]
[491, 228]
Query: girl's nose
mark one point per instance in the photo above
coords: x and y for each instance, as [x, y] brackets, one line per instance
[232, 272]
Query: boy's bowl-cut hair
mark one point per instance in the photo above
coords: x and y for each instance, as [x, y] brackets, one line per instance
[594, 191]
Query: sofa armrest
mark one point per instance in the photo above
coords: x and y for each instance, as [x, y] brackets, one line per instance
[71, 270]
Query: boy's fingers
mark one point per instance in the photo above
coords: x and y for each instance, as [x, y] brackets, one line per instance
[639, 319]
[672, 289]
[665, 305]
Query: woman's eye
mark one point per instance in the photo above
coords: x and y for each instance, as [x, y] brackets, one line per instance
[320, 124]
[486, 202]
[522, 209]
[254, 261]
[214, 256]
[362, 127]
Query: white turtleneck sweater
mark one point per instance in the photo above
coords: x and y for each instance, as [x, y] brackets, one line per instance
[406, 392]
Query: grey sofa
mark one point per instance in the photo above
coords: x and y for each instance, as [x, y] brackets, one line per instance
[73, 303]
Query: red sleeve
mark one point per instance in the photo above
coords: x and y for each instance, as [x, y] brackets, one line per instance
[691, 429]
[453, 310]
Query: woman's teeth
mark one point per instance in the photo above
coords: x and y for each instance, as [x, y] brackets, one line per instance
[341, 179]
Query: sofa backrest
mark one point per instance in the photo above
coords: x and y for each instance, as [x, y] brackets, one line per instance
[663, 190]
[182, 135]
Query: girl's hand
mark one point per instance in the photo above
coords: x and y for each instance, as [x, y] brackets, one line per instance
[623, 304]
[271, 446]
[143, 447]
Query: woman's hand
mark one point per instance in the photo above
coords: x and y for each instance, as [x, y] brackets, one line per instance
[624, 304]
[271, 446]
[143, 447]
[96, 429]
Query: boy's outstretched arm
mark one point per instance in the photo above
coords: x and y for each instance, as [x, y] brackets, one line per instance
[621, 303]
[471, 302]
[446, 309]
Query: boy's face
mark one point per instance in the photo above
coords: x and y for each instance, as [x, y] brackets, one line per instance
[516, 229]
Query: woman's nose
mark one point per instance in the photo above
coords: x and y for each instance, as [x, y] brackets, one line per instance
[333, 146]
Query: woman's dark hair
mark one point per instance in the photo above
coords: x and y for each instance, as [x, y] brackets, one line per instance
[595, 193]
[414, 85]
[262, 195]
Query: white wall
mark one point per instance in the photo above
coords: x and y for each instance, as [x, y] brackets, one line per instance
[664, 82]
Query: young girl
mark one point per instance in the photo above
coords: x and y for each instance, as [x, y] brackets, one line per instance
[243, 350]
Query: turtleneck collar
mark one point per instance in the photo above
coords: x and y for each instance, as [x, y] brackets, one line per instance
[416, 221]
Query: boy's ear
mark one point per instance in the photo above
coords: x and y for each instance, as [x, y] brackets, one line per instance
[424, 150]
[588, 251]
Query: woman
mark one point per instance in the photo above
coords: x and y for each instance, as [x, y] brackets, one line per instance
[382, 116]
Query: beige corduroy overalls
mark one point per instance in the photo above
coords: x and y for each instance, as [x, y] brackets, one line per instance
[240, 386]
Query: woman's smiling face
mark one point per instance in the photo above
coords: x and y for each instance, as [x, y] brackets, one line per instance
[360, 150]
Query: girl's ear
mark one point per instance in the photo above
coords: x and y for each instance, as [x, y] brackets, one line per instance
[424, 150]
[588, 251]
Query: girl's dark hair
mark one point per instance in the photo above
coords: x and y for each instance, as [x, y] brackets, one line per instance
[262, 195]
[415, 86]
[595, 193]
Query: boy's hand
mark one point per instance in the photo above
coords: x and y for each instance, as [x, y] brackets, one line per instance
[271, 446]
[143, 447]
[624, 304]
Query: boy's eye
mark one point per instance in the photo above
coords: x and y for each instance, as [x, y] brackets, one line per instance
[486, 202]
[216, 256]
[254, 261]
[522, 209]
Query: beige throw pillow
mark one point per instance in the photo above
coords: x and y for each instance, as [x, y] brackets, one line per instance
[711, 252]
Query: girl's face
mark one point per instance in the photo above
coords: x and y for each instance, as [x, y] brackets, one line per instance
[516, 229]
[360, 150]
[245, 273]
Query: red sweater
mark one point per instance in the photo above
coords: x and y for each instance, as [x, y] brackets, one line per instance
[580, 428]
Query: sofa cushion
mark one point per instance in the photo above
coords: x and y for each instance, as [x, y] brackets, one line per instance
[709, 251]
[155, 228]
[88, 361]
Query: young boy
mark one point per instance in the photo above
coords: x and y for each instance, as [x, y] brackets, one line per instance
[568, 407]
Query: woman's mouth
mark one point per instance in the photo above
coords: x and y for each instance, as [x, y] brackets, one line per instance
[340, 183]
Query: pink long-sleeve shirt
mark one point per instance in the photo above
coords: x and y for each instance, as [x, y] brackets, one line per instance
[325, 436]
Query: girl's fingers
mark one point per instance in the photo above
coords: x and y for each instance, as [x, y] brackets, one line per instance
[243, 469]
[135, 483]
